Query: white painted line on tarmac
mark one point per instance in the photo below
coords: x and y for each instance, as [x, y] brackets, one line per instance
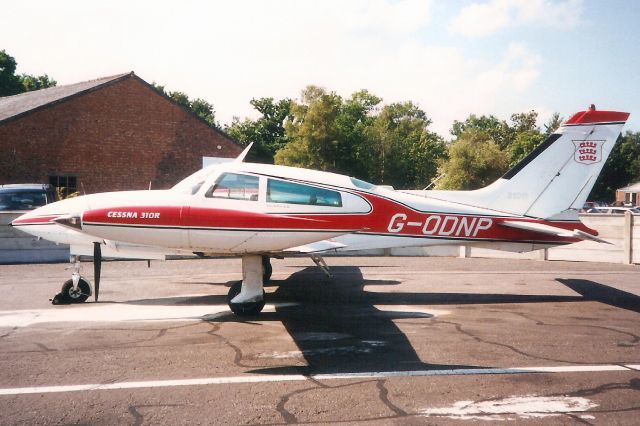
[117, 312]
[299, 377]
[171, 310]
[108, 312]
[514, 408]
[633, 366]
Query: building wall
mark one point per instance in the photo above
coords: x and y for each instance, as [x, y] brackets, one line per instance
[121, 136]
[627, 197]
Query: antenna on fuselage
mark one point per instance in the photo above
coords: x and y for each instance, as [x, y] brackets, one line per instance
[240, 158]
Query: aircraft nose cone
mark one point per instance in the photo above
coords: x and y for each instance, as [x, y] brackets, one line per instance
[48, 213]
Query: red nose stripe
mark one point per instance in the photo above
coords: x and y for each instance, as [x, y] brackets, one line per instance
[38, 220]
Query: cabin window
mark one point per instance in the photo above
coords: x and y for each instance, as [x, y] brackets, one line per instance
[236, 187]
[279, 191]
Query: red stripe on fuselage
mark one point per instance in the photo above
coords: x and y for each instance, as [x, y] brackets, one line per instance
[199, 217]
[386, 217]
[38, 220]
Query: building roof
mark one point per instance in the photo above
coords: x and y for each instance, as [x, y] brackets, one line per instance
[634, 187]
[17, 105]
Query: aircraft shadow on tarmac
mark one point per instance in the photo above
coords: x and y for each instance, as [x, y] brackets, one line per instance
[337, 328]
[593, 291]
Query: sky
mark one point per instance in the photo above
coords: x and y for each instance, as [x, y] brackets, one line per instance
[452, 58]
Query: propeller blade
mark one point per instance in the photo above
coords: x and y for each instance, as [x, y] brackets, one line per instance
[97, 266]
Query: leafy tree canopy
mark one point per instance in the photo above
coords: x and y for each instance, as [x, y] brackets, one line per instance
[388, 144]
[622, 168]
[12, 84]
[475, 161]
[267, 132]
[553, 124]
[198, 106]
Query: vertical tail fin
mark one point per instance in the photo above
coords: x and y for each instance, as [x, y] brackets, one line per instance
[559, 174]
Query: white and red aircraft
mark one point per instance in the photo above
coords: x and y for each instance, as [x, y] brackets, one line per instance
[259, 211]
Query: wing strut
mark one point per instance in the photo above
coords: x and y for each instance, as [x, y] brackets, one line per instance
[319, 261]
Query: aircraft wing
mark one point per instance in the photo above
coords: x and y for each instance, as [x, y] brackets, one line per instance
[552, 230]
[318, 246]
[120, 250]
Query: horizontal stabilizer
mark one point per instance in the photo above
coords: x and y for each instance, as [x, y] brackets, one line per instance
[552, 230]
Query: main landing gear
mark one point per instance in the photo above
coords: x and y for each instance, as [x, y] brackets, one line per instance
[246, 298]
[77, 289]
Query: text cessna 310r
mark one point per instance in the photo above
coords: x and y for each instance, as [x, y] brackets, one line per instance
[257, 211]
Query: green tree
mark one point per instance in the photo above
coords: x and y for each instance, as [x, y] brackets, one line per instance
[31, 82]
[313, 127]
[497, 130]
[201, 108]
[180, 98]
[524, 122]
[295, 154]
[204, 110]
[475, 161]
[524, 143]
[621, 168]
[357, 114]
[9, 82]
[553, 124]
[500, 131]
[390, 145]
[267, 132]
[12, 84]
[405, 152]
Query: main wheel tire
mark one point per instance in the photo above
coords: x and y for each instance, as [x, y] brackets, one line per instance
[244, 309]
[267, 269]
[69, 295]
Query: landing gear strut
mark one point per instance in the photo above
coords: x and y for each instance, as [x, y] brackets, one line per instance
[246, 298]
[77, 289]
[267, 268]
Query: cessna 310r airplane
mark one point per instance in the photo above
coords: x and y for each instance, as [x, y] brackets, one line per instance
[259, 211]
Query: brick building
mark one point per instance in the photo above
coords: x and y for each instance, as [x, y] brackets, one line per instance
[114, 133]
[629, 195]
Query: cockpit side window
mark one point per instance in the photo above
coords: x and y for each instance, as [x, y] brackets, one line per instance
[235, 186]
[279, 191]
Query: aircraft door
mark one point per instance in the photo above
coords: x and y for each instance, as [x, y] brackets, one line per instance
[213, 218]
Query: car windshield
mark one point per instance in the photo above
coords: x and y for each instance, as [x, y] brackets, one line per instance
[22, 200]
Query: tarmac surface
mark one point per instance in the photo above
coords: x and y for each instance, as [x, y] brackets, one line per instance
[388, 340]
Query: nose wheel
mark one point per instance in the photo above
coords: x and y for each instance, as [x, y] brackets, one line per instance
[71, 294]
[77, 289]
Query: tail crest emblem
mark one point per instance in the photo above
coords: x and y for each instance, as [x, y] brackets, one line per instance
[588, 152]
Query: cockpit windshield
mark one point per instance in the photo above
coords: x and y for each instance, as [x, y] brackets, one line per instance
[191, 184]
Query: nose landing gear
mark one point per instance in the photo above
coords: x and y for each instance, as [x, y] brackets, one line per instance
[75, 290]
[73, 294]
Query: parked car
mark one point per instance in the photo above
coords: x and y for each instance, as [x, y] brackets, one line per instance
[592, 204]
[614, 210]
[26, 196]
